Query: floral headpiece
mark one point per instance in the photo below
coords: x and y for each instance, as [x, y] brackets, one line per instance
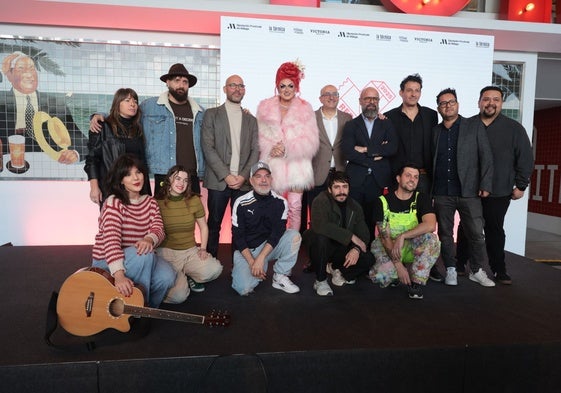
[293, 70]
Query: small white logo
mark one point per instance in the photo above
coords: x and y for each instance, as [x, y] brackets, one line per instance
[251, 211]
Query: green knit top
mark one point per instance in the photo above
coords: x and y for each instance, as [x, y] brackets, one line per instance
[179, 221]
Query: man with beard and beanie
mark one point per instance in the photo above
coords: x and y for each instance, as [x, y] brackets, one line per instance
[259, 236]
[338, 235]
[406, 248]
[172, 127]
[368, 143]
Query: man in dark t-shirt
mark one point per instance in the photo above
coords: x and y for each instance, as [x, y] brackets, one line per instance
[406, 247]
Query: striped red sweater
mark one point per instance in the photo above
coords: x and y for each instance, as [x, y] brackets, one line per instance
[121, 226]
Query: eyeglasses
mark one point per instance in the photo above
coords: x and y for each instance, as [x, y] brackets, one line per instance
[334, 94]
[291, 86]
[236, 86]
[370, 99]
[444, 104]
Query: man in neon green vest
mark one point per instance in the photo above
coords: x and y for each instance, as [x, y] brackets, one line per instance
[406, 247]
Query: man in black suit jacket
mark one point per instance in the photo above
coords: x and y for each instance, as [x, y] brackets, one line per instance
[367, 144]
[21, 72]
[413, 125]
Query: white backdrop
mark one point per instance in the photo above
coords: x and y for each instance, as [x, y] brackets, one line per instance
[353, 57]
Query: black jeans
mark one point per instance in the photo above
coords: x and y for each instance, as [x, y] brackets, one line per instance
[217, 202]
[322, 250]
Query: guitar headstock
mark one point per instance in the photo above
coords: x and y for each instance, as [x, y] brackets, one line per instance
[217, 318]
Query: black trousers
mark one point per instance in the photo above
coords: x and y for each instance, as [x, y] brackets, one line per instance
[323, 250]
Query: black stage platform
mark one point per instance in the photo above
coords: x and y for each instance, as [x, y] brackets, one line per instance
[363, 339]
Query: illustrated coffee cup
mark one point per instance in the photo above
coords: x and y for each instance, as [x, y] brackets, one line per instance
[17, 150]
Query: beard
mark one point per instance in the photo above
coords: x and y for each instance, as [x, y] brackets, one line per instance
[179, 96]
[370, 112]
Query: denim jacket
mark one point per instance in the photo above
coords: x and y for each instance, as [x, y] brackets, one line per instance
[158, 123]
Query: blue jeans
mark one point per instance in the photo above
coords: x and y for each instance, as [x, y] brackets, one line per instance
[155, 274]
[286, 254]
[471, 215]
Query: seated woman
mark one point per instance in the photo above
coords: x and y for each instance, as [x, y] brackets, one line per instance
[130, 228]
[121, 132]
[181, 210]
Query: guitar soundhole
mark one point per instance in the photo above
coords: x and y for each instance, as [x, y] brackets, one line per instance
[116, 307]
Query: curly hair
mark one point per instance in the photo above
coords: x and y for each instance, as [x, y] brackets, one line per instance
[290, 70]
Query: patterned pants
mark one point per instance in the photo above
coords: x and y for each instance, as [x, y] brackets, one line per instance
[426, 250]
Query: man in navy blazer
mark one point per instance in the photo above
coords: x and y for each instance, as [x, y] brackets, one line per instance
[367, 144]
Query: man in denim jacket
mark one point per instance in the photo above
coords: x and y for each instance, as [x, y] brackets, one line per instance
[172, 128]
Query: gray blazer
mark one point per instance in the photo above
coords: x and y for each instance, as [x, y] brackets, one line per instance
[217, 147]
[474, 156]
[322, 160]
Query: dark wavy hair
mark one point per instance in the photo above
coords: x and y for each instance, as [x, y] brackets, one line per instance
[114, 118]
[411, 78]
[164, 192]
[448, 90]
[121, 168]
[337, 177]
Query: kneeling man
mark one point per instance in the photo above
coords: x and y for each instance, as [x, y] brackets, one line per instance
[406, 247]
[260, 235]
[338, 235]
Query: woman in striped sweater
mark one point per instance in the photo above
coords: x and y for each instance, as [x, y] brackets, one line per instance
[130, 228]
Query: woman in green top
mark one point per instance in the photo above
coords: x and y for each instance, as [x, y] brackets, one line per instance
[181, 210]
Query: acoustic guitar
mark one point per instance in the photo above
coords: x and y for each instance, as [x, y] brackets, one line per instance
[88, 302]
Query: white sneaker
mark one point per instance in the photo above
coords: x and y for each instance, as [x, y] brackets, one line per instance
[481, 277]
[338, 279]
[282, 282]
[451, 276]
[322, 288]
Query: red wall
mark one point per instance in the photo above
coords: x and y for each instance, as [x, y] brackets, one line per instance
[545, 195]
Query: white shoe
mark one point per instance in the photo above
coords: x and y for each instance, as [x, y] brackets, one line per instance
[322, 288]
[282, 282]
[451, 276]
[338, 279]
[481, 277]
[329, 269]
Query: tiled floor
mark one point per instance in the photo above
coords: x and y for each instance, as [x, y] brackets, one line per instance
[543, 246]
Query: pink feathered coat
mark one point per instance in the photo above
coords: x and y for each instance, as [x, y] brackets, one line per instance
[299, 132]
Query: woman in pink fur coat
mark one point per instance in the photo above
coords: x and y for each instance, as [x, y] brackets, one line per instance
[288, 139]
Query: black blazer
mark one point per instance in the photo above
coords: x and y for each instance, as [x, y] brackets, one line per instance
[382, 143]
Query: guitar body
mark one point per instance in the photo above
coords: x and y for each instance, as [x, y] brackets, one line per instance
[89, 303]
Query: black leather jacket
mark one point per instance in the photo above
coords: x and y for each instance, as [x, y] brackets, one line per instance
[103, 149]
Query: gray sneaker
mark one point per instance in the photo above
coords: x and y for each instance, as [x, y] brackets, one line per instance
[322, 288]
[481, 277]
[451, 276]
[338, 279]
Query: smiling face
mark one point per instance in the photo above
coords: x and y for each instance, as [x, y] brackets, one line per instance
[448, 107]
[234, 89]
[133, 182]
[329, 97]
[178, 183]
[261, 181]
[287, 89]
[339, 191]
[490, 104]
[128, 107]
[24, 76]
[411, 93]
[409, 179]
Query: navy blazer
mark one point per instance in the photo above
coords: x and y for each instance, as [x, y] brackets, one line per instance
[382, 143]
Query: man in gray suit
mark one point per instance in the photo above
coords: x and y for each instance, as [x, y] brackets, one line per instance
[229, 143]
[463, 173]
[329, 157]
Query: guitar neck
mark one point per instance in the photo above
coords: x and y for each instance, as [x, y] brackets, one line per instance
[163, 314]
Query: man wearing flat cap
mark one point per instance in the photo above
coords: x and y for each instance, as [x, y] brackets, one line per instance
[172, 127]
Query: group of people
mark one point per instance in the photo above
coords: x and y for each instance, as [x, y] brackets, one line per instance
[377, 185]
